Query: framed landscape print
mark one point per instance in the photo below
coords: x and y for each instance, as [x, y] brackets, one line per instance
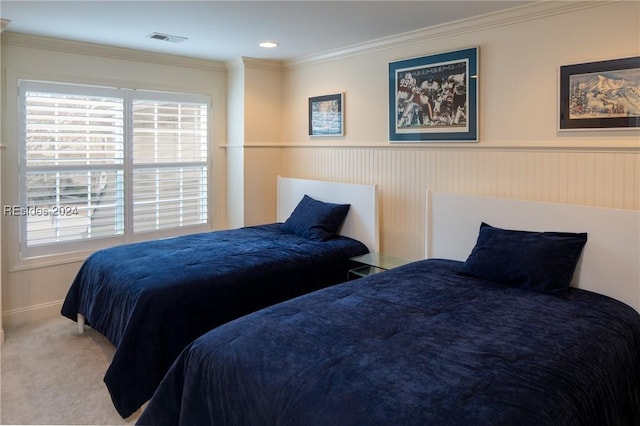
[326, 115]
[434, 98]
[600, 95]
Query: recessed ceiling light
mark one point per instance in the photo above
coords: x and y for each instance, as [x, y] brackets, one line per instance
[268, 44]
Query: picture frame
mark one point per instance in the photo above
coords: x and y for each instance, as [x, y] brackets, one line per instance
[600, 95]
[326, 115]
[434, 98]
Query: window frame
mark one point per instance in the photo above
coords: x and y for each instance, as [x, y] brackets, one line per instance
[128, 95]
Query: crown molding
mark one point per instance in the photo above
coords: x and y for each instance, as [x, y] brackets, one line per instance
[236, 64]
[519, 14]
[262, 64]
[69, 46]
[244, 62]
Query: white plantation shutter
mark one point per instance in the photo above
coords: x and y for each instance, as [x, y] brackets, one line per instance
[169, 164]
[104, 163]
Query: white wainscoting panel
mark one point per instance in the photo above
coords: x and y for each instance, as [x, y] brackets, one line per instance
[583, 177]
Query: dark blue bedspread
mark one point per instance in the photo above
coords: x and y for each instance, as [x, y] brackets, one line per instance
[151, 299]
[418, 345]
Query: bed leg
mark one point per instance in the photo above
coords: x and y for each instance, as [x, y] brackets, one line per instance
[80, 323]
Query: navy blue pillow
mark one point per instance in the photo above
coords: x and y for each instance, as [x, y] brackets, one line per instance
[539, 261]
[316, 220]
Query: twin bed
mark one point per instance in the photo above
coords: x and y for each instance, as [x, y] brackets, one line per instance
[152, 299]
[509, 321]
[523, 313]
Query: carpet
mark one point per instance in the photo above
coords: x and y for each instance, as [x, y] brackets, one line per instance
[52, 375]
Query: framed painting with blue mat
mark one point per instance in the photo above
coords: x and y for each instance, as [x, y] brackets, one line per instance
[434, 98]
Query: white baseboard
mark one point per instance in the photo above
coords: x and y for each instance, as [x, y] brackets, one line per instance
[31, 313]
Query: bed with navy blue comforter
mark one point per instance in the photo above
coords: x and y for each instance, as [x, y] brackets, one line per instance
[417, 345]
[152, 299]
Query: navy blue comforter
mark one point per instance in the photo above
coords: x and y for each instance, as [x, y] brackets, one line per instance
[151, 299]
[418, 345]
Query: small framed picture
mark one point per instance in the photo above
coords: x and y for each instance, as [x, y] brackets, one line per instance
[600, 95]
[326, 115]
[434, 98]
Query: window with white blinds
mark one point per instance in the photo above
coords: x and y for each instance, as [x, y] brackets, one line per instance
[169, 164]
[104, 163]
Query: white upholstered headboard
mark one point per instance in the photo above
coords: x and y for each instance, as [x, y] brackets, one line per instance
[361, 222]
[610, 262]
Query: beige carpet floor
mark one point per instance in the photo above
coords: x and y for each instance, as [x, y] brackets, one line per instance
[51, 375]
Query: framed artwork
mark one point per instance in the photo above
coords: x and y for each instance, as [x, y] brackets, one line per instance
[600, 95]
[434, 98]
[326, 115]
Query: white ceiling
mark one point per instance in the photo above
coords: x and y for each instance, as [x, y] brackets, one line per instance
[226, 30]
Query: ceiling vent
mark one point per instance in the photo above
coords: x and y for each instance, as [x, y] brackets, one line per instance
[167, 37]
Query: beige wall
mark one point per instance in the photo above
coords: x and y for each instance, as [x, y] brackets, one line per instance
[235, 140]
[252, 172]
[264, 127]
[520, 53]
[520, 153]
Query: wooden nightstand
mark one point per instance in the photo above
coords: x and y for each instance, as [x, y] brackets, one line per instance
[373, 263]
